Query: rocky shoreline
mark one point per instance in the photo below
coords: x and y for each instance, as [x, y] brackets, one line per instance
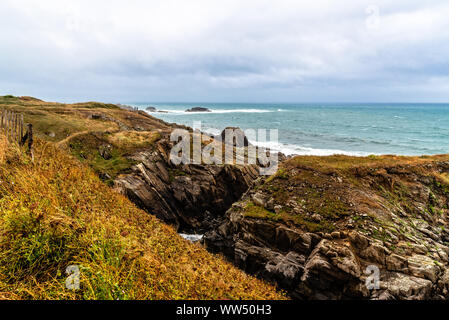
[404, 240]
[318, 228]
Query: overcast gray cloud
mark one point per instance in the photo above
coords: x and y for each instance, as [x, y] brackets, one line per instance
[207, 50]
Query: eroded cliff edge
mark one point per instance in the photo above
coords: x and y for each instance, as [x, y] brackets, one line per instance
[319, 226]
[313, 228]
[194, 198]
[320, 222]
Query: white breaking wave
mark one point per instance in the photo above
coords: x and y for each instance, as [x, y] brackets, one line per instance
[291, 149]
[179, 112]
[285, 148]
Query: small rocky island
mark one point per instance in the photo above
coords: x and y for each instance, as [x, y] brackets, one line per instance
[198, 109]
[153, 109]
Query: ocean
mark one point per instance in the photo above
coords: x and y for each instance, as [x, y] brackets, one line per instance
[326, 129]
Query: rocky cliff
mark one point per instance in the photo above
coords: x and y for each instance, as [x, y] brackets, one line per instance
[322, 226]
[192, 197]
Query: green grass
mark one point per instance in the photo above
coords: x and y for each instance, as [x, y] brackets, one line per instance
[57, 121]
[96, 105]
[252, 210]
[255, 211]
[56, 212]
[86, 147]
[173, 173]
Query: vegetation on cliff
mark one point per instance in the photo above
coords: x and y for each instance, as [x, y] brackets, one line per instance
[57, 122]
[314, 227]
[56, 212]
[340, 192]
[320, 222]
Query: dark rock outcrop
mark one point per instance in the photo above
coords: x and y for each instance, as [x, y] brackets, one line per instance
[313, 266]
[105, 151]
[191, 197]
[396, 228]
[237, 135]
[198, 109]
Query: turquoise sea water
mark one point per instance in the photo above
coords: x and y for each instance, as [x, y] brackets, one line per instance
[323, 129]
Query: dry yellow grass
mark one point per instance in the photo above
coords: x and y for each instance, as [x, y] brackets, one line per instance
[343, 162]
[3, 146]
[57, 121]
[136, 139]
[55, 212]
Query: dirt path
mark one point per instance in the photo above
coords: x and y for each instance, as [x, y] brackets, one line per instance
[63, 142]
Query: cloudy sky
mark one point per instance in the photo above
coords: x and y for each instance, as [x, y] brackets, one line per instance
[229, 51]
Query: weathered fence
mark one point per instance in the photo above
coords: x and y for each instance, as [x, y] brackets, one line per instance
[13, 127]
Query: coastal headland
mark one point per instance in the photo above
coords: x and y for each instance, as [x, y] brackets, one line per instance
[334, 227]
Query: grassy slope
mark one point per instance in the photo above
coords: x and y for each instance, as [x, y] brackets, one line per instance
[72, 125]
[85, 147]
[56, 212]
[56, 121]
[62, 214]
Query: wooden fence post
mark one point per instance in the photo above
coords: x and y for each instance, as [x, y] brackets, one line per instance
[11, 132]
[30, 141]
[12, 125]
[21, 127]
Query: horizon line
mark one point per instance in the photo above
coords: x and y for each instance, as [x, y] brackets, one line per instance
[273, 102]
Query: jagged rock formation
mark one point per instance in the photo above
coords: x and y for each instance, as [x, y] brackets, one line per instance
[135, 159]
[322, 226]
[192, 197]
[318, 228]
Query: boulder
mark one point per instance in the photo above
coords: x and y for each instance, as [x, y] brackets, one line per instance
[105, 151]
[424, 267]
[259, 199]
[285, 269]
[403, 286]
[237, 135]
[198, 109]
